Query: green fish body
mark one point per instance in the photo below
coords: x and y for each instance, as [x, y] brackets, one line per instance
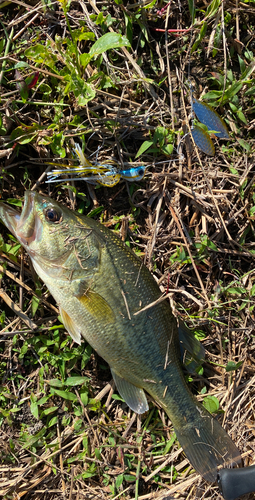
[102, 290]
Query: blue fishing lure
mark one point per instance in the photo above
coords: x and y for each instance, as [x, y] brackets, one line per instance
[106, 174]
[203, 140]
[210, 118]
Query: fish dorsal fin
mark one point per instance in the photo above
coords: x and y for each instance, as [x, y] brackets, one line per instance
[97, 306]
[134, 396]
[71, 327]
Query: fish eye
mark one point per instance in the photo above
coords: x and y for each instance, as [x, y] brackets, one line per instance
[53, 215]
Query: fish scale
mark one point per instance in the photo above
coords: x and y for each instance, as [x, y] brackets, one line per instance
[100, 302]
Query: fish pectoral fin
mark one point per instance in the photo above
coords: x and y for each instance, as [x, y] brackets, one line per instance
[192, 351]
[97, 306]
[71, 327]
[134, 396]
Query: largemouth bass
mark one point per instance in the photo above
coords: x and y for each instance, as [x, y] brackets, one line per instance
[102, 290]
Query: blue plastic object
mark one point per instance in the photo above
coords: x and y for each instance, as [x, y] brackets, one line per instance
[210, 118]
[203, 140]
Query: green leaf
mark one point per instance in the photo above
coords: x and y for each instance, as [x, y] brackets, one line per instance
[88, 93]
[13, 201]
[23, 136]
[34, 304]
[242, 65]
[48, 411]
[23, 350]
[251, 91]
[160, 136]
[168, 149]
[147, 6]
[2, 44]
[211, 403]
[212, 245]
[192, 11]
[43, 400]
[107, 42]
[34, 439]
[66, 395]
[55, 382]
[232, 91]
[21, 64]
[233, 171]
[34, 409]
[243, 119]
[24, 93]
[53, 421]
[45, 88]
[200, 37]
[119, 480]
[236, 291]
[212, 8]
[96, 211]
[79, 35]
[231, 366]
[129, 478]
[129, 27]
[94, 404]
[34, 51]
[245, 145]
[117, 397]
[212, 94]
[86, 356]
[57, 145]
[42, 55]
[145, 145]
[169, 444]
[84, 396]
[233, 107]
[85, 59]
[73, 381]
[98, 454]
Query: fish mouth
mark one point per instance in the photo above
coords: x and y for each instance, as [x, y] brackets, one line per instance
[22, 225]
[25, 230]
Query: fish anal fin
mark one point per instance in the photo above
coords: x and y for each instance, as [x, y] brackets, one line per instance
[97, 306]
[134, 396]
[71, 327]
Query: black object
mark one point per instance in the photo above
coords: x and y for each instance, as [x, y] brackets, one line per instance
[234, 483]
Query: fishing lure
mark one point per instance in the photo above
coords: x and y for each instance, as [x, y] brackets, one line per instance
[210, 118]
[203, 140]
[99, 174]
[106, 174]
[213, 122]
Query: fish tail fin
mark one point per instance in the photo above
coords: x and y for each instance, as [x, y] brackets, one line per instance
[206, 444]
